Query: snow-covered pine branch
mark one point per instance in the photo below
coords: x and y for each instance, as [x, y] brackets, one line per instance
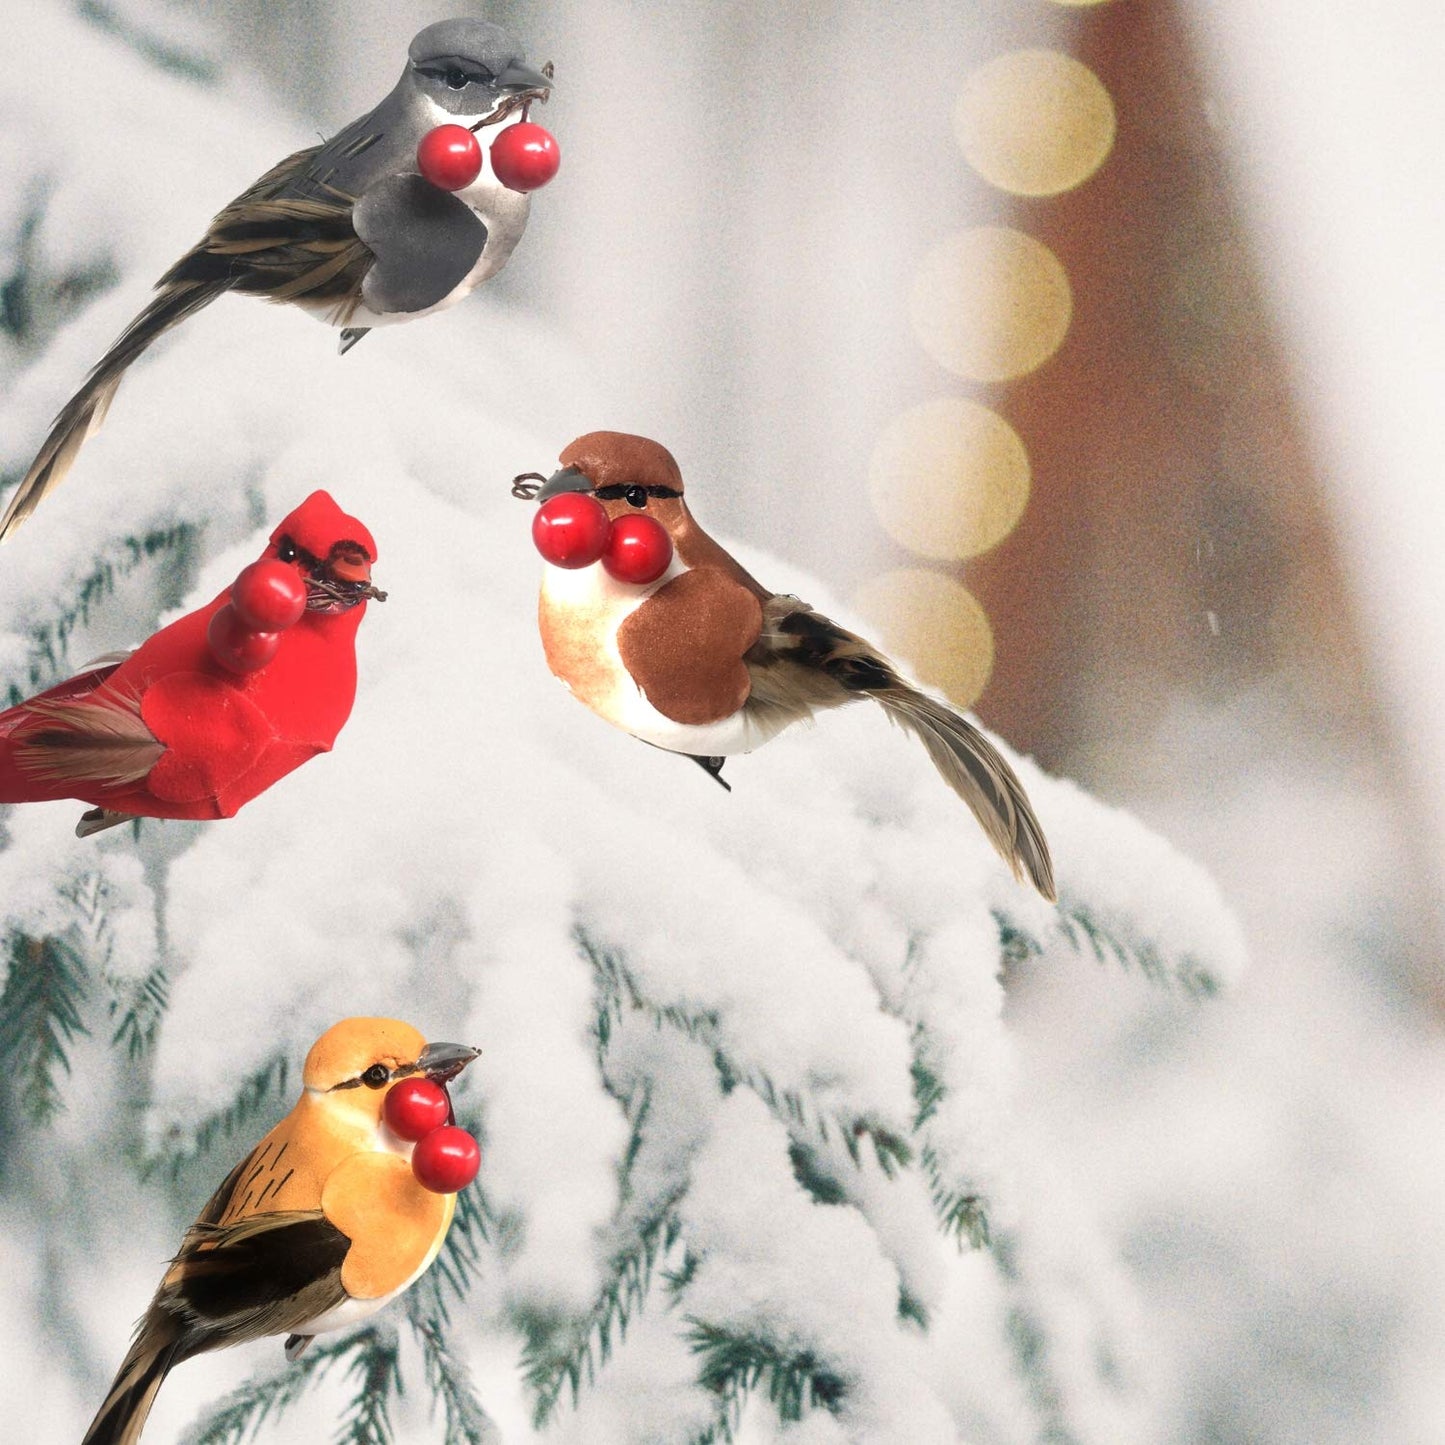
[746, 1085]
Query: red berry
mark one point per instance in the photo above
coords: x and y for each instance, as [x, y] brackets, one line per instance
[638, 549]
[235, 646]
[416, 1106]
[450, 157]
[446, 1160]
[525, 156]
[570, 529]
[269, 596]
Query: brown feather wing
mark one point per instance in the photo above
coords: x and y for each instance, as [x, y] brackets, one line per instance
[273, 242]
[100, 738]
[684, 646]
[803, 662]
[266, 1275]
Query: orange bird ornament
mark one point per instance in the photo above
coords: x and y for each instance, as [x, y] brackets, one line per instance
[217, 706]
[657, 628]
[324, 1222]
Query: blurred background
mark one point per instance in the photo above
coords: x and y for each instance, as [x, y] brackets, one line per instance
[1093, 351]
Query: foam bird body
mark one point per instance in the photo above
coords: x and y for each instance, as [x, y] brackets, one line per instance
[321, 1225]
[707, 662]
[348, 230]
[170, 733]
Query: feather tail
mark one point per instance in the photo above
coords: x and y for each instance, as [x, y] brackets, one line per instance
[977, 772]
[122, 1414]
[84, 412]
[804, 661]
[100, 738]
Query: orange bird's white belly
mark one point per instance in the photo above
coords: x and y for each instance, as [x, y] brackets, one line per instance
[578, 615]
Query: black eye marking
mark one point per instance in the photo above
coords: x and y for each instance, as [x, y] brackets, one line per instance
[287, 550]
[376, 1076]
[455, 73]
[635, 495]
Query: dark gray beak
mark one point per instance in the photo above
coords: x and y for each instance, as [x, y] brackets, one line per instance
[569, 479]
[440, 1062]
[522, 77]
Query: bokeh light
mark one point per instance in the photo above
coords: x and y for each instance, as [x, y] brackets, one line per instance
[1034, 122]
[991, 303]
[949, 479]
[935, 624]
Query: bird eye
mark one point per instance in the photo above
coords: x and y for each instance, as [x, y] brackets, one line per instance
[286, 550]
[376, 1076]
[636, 496]
[457, 79]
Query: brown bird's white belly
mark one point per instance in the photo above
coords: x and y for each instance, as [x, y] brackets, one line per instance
[579, 614]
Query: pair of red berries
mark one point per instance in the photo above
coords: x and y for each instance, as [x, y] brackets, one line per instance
[573, 530]
[266, 598]
[524, 157]
[445, 1158]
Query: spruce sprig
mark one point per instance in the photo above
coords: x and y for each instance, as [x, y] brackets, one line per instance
[50, 641]
[618, 991]
[1088, 934]
[733, 1364]
[40, 1018]
[465, 1421]
[564, 1356]
[261, 1090]
[374, 1369]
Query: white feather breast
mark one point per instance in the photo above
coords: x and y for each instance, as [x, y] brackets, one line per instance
[582, 610]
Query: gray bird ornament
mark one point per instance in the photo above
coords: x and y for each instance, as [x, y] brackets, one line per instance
[349, 230]
[656, 627]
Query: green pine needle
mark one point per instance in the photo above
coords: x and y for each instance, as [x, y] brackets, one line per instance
[466, 1422]
[619, 991]
[450, 1277]
[562, 1356]
[239, 1416]
[47, 984]
[1088, 934]
[35, 300]
[733, 1365]
[49, 641]
[962, 1214]
[375, 1373]
[140, 1004]
[260, 1091]
[151, 43]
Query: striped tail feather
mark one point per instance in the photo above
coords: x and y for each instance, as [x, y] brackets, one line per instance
[123, 1413]
[977, 772]
[803, 661]
[84, 412]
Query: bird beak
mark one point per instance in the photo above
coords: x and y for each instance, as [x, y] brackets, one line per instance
[522, 77]
[569, 479]
[350, 569]
[440, 1062]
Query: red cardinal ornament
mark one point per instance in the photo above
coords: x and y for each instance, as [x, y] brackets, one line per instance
[192, 724]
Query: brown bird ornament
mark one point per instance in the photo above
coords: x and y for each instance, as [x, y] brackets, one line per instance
[656, 627]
